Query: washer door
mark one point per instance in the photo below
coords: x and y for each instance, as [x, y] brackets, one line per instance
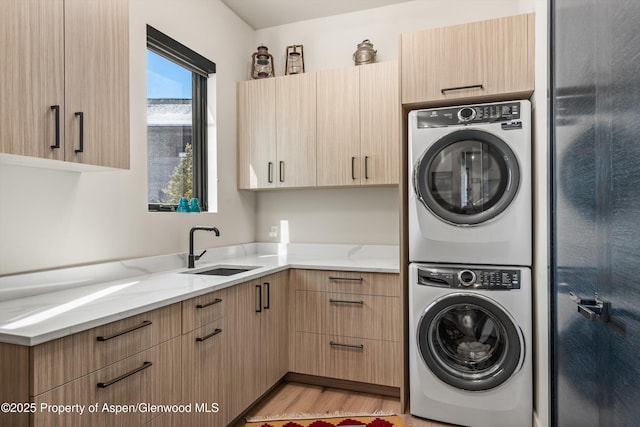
[467, 177]
[470, 342]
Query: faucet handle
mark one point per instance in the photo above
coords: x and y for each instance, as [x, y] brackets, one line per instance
[197, 257]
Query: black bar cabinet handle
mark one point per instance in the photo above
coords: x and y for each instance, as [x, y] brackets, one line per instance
[270, 172]
[212, 334]
[353, 168]
[281, 171]
[448, 89]
[344, 301]
[259, 287]
[267, 287]
[350, 279]
[209, 304]
[145, 365]
[56, 109]
[337, 344]
[125, 331]
[366, 167]
[80, 115]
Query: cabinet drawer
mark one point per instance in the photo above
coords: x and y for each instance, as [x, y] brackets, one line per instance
[365, 316]
[149, 377]
[355, 359]
[204, 309]
[351, 282]
[59, 361]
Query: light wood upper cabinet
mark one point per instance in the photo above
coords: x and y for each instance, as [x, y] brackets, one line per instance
[63, 58]
[339, 127]
[486, 60]
[256, 133]
[358, 125]
[379, 123]
[32, 70]
[277, 132]
[296, 130]
[97, 81]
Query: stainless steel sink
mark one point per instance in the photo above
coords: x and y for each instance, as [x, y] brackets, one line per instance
[226, 270]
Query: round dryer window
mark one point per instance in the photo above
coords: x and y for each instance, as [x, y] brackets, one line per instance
[470, 342]
[467, 177]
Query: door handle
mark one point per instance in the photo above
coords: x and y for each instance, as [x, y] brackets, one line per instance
[80, 115]
[592, 309]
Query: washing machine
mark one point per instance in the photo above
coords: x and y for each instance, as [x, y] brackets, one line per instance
[470, 344]
[470, 184]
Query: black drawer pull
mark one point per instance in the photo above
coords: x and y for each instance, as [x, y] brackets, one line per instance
[125, 331]
[145, 365]
[350, 279]
[270, 172]
[461, 88]
[209, 304]
[344, 301]
[337, 344]
[212, 334]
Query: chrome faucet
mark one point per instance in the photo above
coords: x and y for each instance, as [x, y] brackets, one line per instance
[193, 258]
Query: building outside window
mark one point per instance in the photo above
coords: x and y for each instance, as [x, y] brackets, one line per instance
[176, 122]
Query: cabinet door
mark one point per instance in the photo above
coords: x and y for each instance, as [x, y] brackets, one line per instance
[32, 70]
[338, 127]
[205, 376]
[379, 123]
[274, 328]
[490, 59]
[97, 81]
[245, 364]
[296, 130]
[257, 134]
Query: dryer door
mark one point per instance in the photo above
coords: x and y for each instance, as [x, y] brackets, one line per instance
[470, 342]
[467, 177]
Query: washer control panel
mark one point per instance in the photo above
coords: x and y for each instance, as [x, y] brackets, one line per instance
[470, 114]
[470, 278]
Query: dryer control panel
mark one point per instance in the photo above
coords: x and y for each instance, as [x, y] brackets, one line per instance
[470, 114]
[469, 278]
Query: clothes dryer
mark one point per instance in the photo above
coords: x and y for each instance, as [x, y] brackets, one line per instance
[470, 184]
[470, 340]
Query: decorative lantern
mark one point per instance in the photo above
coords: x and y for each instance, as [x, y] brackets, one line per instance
[261, 63]
[295, 60]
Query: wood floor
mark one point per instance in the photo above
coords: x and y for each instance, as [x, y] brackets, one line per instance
[294, 398]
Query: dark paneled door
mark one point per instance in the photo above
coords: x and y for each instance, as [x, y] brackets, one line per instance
[595, 90]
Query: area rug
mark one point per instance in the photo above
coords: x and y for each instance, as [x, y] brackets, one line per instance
[324, 421]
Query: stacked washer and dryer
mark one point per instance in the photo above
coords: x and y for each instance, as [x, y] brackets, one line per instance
[470, 244]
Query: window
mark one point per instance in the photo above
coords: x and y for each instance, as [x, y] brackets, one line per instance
[176, 122]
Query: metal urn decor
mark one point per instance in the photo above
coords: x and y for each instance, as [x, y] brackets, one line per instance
[261, 63]
[295, 60]
[365, 53]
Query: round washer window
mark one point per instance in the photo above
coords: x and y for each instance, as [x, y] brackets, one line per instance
[470, 342]
[467, 177]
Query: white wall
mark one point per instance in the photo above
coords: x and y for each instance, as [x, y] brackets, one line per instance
[50, 219]
[330, 43]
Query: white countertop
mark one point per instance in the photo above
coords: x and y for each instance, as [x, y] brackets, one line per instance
[39, 307]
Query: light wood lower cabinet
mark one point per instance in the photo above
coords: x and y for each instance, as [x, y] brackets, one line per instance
[205, 376]
[349, 358]
[59, 361]
[124, 392]
[260, 348]
[348, 325]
